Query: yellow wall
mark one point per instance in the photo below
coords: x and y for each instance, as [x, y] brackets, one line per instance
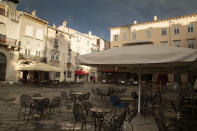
[156, 31]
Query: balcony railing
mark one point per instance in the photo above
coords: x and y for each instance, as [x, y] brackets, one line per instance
[11, 42]
[13, 16]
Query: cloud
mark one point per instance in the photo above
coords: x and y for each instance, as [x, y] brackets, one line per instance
[99, 15]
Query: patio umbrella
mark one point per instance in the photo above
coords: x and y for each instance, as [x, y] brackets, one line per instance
[40, 67]
[142, 57]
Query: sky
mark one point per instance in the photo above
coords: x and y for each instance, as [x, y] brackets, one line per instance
[99, 15]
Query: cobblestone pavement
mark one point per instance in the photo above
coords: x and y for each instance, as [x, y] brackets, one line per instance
[10, 105]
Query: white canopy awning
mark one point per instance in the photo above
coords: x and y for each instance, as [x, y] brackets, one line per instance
[148, 55]
[142, 56]
[40, 67]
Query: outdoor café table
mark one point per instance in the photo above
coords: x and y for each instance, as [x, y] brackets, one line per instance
[37, 101]
[76, 94]
[99, 114]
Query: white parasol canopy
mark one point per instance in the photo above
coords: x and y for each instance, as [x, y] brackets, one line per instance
[40, 67]
[141, 56]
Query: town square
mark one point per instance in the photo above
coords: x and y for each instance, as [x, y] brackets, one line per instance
[108, 65]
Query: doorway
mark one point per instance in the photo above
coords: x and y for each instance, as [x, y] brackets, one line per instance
[3, 62]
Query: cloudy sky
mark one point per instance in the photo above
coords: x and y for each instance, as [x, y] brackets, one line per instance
[99, 15]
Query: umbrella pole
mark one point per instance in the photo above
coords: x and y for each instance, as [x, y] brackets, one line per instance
[138, 120]
[139, 91]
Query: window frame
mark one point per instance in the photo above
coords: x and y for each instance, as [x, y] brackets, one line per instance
[190, 28]
[148, 33]
[164, 32]
[115, 37]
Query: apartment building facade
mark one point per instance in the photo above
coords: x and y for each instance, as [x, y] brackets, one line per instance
[82, 43]
[27, 39]
[177, 31]
[9, 51]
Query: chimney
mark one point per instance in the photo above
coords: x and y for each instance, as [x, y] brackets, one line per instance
[33, 12]
[54, 25]
[64, 23]
[135, 22]
[90, 33]
[155, 17]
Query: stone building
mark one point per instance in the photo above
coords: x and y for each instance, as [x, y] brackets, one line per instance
[82, 43]
[9, 39]
[58, 44]
[32, 43]
[26, 39]
[177, 31]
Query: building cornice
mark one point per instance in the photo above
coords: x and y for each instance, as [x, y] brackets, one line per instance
[155, 21]
[60, 30]
[35, 18]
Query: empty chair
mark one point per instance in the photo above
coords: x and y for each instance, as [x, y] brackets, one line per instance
[116, 123]
[79, 115]
[134, 95]
[25, 102]
[45, 107]
[116, 103]
[64, 96]
[87, 96]
[55, 103]
[87, 105]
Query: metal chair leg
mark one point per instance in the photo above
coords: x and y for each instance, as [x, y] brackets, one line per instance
[19, 112]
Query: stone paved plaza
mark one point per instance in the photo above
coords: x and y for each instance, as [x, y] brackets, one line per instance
[10, 105]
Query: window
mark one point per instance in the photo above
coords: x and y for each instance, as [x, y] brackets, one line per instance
[69, 74]
[164, 43]
[78, 38]
[148, 33]
[164, 32]
[37, 53]
[57, 75]
[176, 30]
[190, 43]
[57, 58]
[134, 35]
[177, 43]
[11, 56]
[125, 36]
[2, 11]
[27, 52]
[29, 31]
[190, 28]
[56, 43]
[39, 34]
[115, 37]
[52, 57]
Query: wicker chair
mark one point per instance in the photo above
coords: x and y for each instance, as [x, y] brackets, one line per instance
[79, 115]
[25, 102]
[55, 103]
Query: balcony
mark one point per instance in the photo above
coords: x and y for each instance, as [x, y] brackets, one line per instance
[13, 16]
[2, 39]
[11, 42]
[8, 42]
